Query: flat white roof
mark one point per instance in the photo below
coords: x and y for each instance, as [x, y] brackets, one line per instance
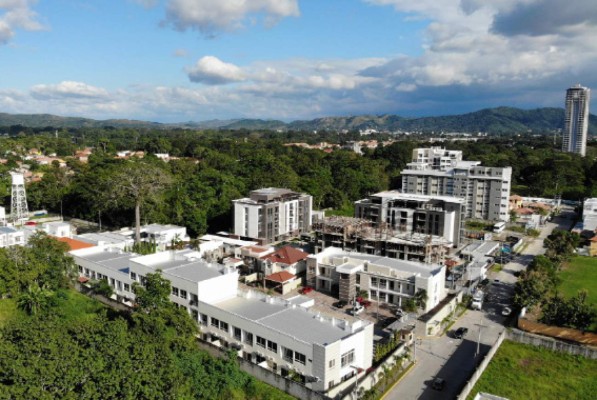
[227, 240]
[395, 194]
[291, 321]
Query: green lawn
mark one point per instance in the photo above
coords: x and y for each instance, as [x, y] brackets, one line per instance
[520, 371]
[580, 273]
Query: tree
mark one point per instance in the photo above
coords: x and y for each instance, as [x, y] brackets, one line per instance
[154, 293]
[420, 298]
[561, 244]
[134, 184]
[102, 287]
[34, 300]
[532, 288]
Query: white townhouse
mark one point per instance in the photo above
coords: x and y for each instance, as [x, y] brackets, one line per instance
[390, 280]
[280, 335]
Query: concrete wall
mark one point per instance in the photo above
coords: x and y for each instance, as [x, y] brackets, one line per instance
[585, 338]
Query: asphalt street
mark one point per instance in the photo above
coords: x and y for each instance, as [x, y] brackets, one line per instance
[454, 360]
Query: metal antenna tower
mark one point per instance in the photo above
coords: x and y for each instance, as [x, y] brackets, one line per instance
[18, 200]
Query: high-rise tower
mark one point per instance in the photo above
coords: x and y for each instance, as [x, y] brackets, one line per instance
[574, 139]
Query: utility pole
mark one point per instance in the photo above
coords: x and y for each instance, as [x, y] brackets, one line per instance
[479, 339]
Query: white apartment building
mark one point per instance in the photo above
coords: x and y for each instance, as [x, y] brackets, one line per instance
[272, 214]
[435, 171]
[280, 335]
[390, 280]
[589, 215]
[10, 236]
[161, 235]
[441, 216]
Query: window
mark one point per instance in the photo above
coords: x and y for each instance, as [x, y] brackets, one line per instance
[127, 287]
[215, 322]
[237, 333]
[272, 346]
[261, 341]
[373, 281]
[174, 291]
[112, 282]
[224, 326]
[249, 338]
[183, 294]
[195, 314]
[203, 319]
[299, 358]
[347, 358]
[288, 354]
[133, 276]
[332, 363]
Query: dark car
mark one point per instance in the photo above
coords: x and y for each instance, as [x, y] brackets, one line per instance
[438, 384]
[460, 332]
[340, 304]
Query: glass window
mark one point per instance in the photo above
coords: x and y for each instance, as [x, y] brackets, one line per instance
[183, 294]
[224, 326]
[237, 333]
[174, 291]
[272, 346]
[288, 354]
[347, 358]
[203, 319]
[332, 363]
[300, 358]
[249, 338]
[133, 276]
[261, 341]
[215, 322]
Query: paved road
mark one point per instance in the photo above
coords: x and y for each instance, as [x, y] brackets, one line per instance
[454, 360]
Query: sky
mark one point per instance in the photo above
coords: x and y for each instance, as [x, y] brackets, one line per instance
[196, 60]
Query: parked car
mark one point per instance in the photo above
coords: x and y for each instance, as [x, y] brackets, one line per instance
[306, 289]
[340, 304]
[506, 311]
[438, 384]
[356, 309]
[460, 332]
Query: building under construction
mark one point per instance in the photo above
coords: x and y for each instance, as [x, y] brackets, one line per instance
[361, 235]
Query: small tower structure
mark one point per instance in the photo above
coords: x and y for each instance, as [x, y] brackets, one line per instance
[18, 200]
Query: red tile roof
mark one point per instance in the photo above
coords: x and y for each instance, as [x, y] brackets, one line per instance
[74, 244]
[286, 255]
[281, 277]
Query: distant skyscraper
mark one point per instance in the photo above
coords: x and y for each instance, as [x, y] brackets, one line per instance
[574, 139]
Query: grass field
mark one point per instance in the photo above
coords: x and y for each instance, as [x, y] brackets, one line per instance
[520, 371]
[580, 273]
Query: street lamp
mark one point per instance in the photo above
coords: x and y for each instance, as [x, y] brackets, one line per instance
[355, 393]
[479, 338]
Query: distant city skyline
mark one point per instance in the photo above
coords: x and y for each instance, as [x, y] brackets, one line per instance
[574, 137]
[181, 60]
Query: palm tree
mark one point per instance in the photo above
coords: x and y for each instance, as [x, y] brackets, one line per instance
[420, 298]
[34, 300]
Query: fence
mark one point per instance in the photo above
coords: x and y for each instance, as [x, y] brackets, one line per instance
[552, 344]
[289, 386]
[484, 363]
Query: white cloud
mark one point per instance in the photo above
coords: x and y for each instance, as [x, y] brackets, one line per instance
[213, 71]
[17, 14]
[212, 16]
[68, 89]
[180, 53]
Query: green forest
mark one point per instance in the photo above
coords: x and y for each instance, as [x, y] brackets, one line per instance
[215, 167]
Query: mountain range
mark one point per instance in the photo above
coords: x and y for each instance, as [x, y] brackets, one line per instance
[500, 120]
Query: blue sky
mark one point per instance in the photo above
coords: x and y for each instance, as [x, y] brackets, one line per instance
[179, 60]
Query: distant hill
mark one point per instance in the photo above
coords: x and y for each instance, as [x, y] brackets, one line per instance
[501, 120]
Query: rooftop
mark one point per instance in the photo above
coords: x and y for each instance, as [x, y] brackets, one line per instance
[286, 318]
[286, 255]
[74, 244]
[395, 194]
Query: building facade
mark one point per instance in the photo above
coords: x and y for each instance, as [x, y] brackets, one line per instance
[440, 216]
[389, 280]
[272, 214]
[485, 190]
[574, 138]
[280, 335]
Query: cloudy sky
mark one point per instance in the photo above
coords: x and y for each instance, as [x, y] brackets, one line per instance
[181, 60]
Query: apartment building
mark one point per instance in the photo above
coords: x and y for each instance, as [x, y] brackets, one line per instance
[283, 336]
[574, 137]
[390, 280]
[441, 216]
[485, 190]
[272, 214]
[10, 236]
